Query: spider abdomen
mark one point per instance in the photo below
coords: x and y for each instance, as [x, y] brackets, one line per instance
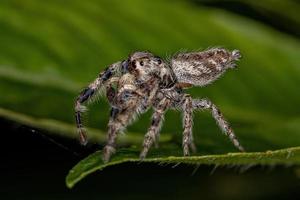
[202, 68]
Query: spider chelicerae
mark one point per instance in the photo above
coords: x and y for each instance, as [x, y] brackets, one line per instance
[144, 80]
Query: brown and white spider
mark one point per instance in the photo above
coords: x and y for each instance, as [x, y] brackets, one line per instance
[145, 80]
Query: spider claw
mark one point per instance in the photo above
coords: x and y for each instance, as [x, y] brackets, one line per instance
[142, 157]
[83, 142]
[185, 154]
[143, 154]
[186, 151]
[82, 137]
[241, 149]
[105, 159]
[107, 152]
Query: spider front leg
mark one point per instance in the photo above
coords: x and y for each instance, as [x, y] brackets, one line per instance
[153, 131]
[218, 116]
[119, 119]
[187, 138]
[89, 93]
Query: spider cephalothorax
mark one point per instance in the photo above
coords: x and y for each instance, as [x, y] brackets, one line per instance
[144, 81]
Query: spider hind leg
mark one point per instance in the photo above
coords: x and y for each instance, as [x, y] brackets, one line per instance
[218, 116]
[187, 138]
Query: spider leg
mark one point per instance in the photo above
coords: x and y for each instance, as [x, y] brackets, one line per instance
[187, 139]
[218, 116]
[118, 121]
[123, 113]
[153, 131]
[88, 94]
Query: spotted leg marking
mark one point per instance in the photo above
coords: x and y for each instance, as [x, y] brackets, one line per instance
[85, 95]
[88, 94]
[218, 116]
[187, 139]
[120, 118]
[153, 131]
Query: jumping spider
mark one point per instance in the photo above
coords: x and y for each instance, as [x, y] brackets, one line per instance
[145, 80]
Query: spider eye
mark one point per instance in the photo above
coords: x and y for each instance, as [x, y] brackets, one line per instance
[133, 64]
[159, 61]
[142, 63]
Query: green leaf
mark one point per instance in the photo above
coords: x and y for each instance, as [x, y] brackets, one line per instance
[94, 162]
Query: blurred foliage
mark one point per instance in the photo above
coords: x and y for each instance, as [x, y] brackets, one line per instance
[282, 15]
[51, 49]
